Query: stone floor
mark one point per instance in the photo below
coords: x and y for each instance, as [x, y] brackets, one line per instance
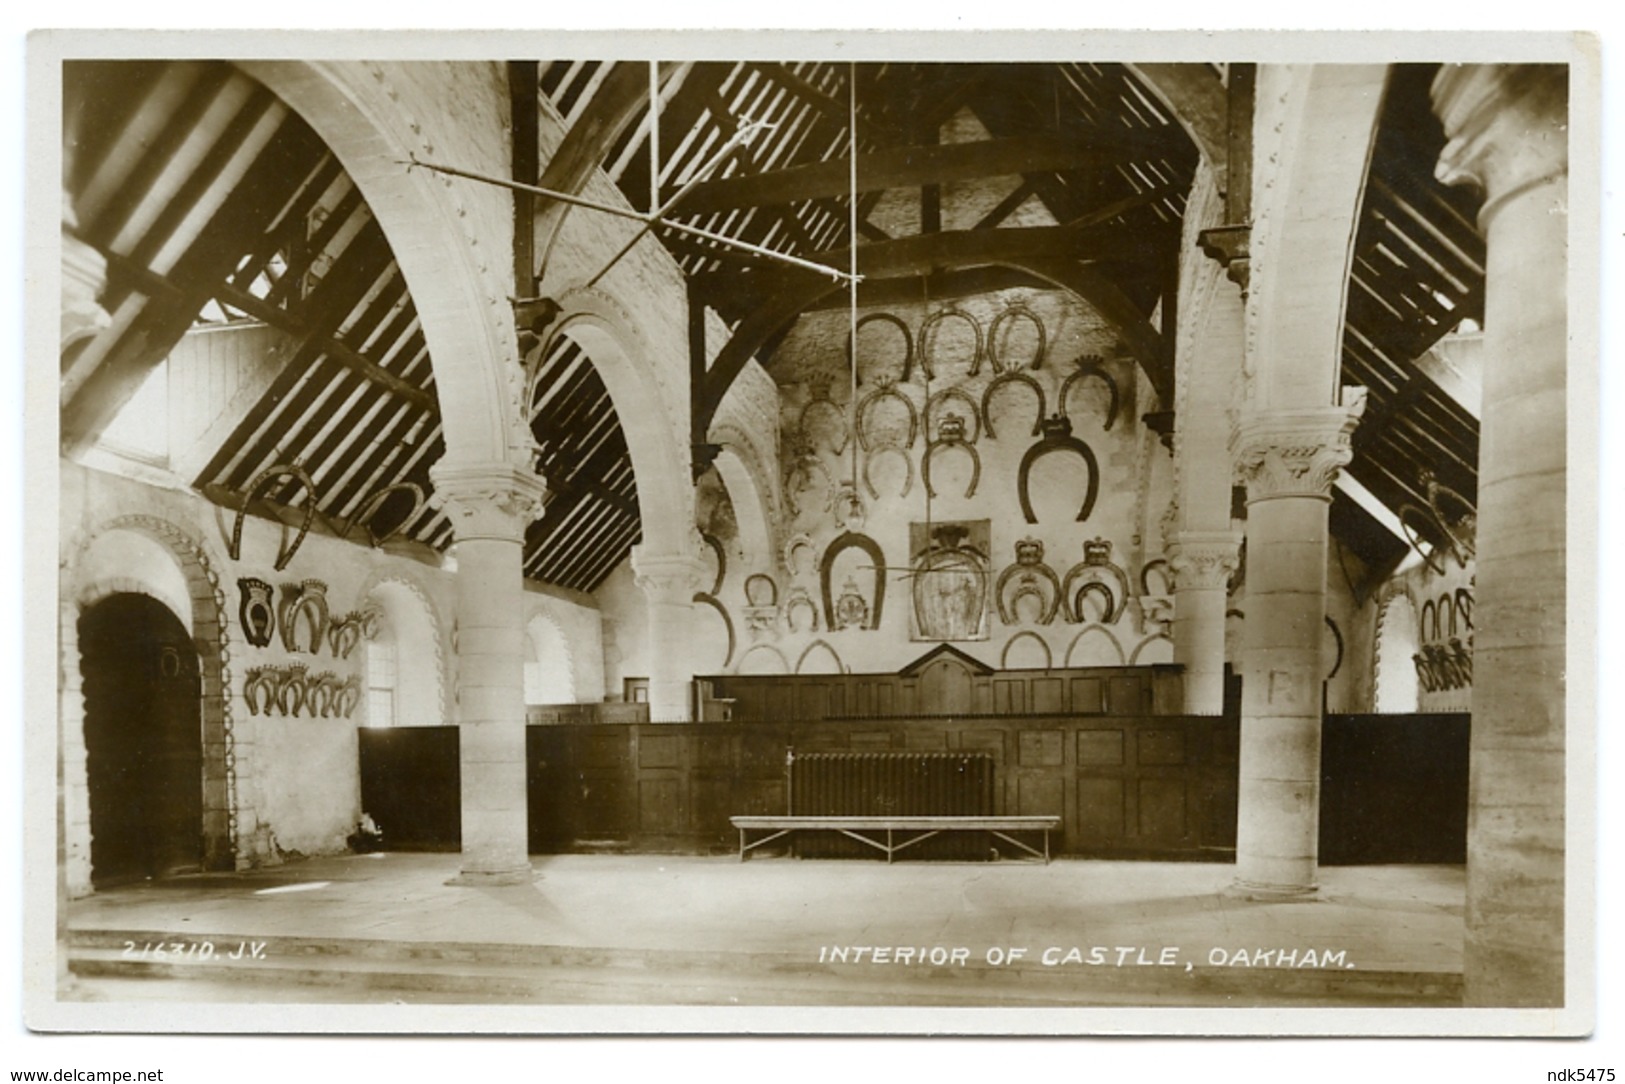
[705, 930]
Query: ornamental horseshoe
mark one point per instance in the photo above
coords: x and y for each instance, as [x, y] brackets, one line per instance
[930, 325]
[851, 540]
[942, 397]
[1011, 378]
[1090, 365]
[908, 342]
[887, 390]
[908, 468]
[375, 502]
[258, 489]
[951, 434]
[1017, 309]
[1091, 573]
[1058, 438]
[1033, 573]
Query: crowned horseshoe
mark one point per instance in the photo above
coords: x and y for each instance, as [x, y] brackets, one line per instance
[1058, 438]
[1090, 366]
[930, 325]
[942, 397]
[1015, 310]
[887, 390]
[1012, 378]
[1032, 569]
[951, 434]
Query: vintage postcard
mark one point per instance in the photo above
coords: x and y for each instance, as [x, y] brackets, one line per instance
[978, 534]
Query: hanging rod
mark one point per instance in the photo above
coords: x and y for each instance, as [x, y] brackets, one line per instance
[637, 216]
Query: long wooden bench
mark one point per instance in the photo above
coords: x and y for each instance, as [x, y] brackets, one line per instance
[917, 829]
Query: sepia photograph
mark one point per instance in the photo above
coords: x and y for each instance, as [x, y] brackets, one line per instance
[1010, 534]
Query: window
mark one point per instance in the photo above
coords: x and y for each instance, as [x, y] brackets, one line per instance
[381, 678]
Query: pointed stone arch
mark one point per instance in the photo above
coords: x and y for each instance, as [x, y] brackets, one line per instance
[1095, 646]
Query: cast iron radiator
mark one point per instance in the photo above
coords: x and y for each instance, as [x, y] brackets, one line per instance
[892, 784]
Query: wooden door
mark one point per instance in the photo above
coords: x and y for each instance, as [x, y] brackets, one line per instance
[143, 740]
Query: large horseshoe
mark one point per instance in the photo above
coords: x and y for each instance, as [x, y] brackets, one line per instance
[908, 468]
[365, 513]
[258, 489]
[1045, 447]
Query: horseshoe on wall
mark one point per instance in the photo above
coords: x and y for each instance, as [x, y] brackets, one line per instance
[951, 442]
[840, 419]
[895, 321]
[373, 503]
[803, 470]
[850, 540]
[799, 597]
[258, 489]
[954, 393]
[1074, 604]
[1091, 367]
[710, 600]
[1012, 378]
[886, 390]
[908, 469]
[930, 325]
[714, 543]
[1017, 309]
[1058, 438]
[1051, 604]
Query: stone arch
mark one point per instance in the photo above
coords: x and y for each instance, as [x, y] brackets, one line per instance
[550, 666]
[226, 810]
[819, 653]
[1017, 646]
[1161, 650]
[660, 460]
[1394, 684]
[420, 642]
[374, 121]
[762, 659]
[1095, 646]
[753, 511]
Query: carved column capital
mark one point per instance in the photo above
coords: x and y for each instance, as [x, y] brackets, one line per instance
[488, 500]
[1295, 453]
[1202, 560]
[1507, 126]
[667, 577]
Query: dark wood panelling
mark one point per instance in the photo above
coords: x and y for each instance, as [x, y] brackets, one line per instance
[411, 785]
[1393, 789]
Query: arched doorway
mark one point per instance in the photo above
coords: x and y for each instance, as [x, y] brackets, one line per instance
[143, 740]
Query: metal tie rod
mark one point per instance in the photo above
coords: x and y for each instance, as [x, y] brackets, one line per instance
[638, 216]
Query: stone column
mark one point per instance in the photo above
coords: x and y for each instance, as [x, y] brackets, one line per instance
[669, 580]
[1507, 130]
[1288, 460]
[490, 505]
[1202, 563]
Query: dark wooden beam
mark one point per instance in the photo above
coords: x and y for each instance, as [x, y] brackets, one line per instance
[954, 249]
[524, 90]
[1238, 191]
[897, 167]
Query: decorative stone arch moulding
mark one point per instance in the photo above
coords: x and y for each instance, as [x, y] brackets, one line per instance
[1098, 632]
[752, 485]
[540, 608]
[1022, 637]
[373, 121]
[1139, 648]
[767, 650]
[225, 844]
[652, 413]
[437, 623]
[1391, 592]
[801, 660]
